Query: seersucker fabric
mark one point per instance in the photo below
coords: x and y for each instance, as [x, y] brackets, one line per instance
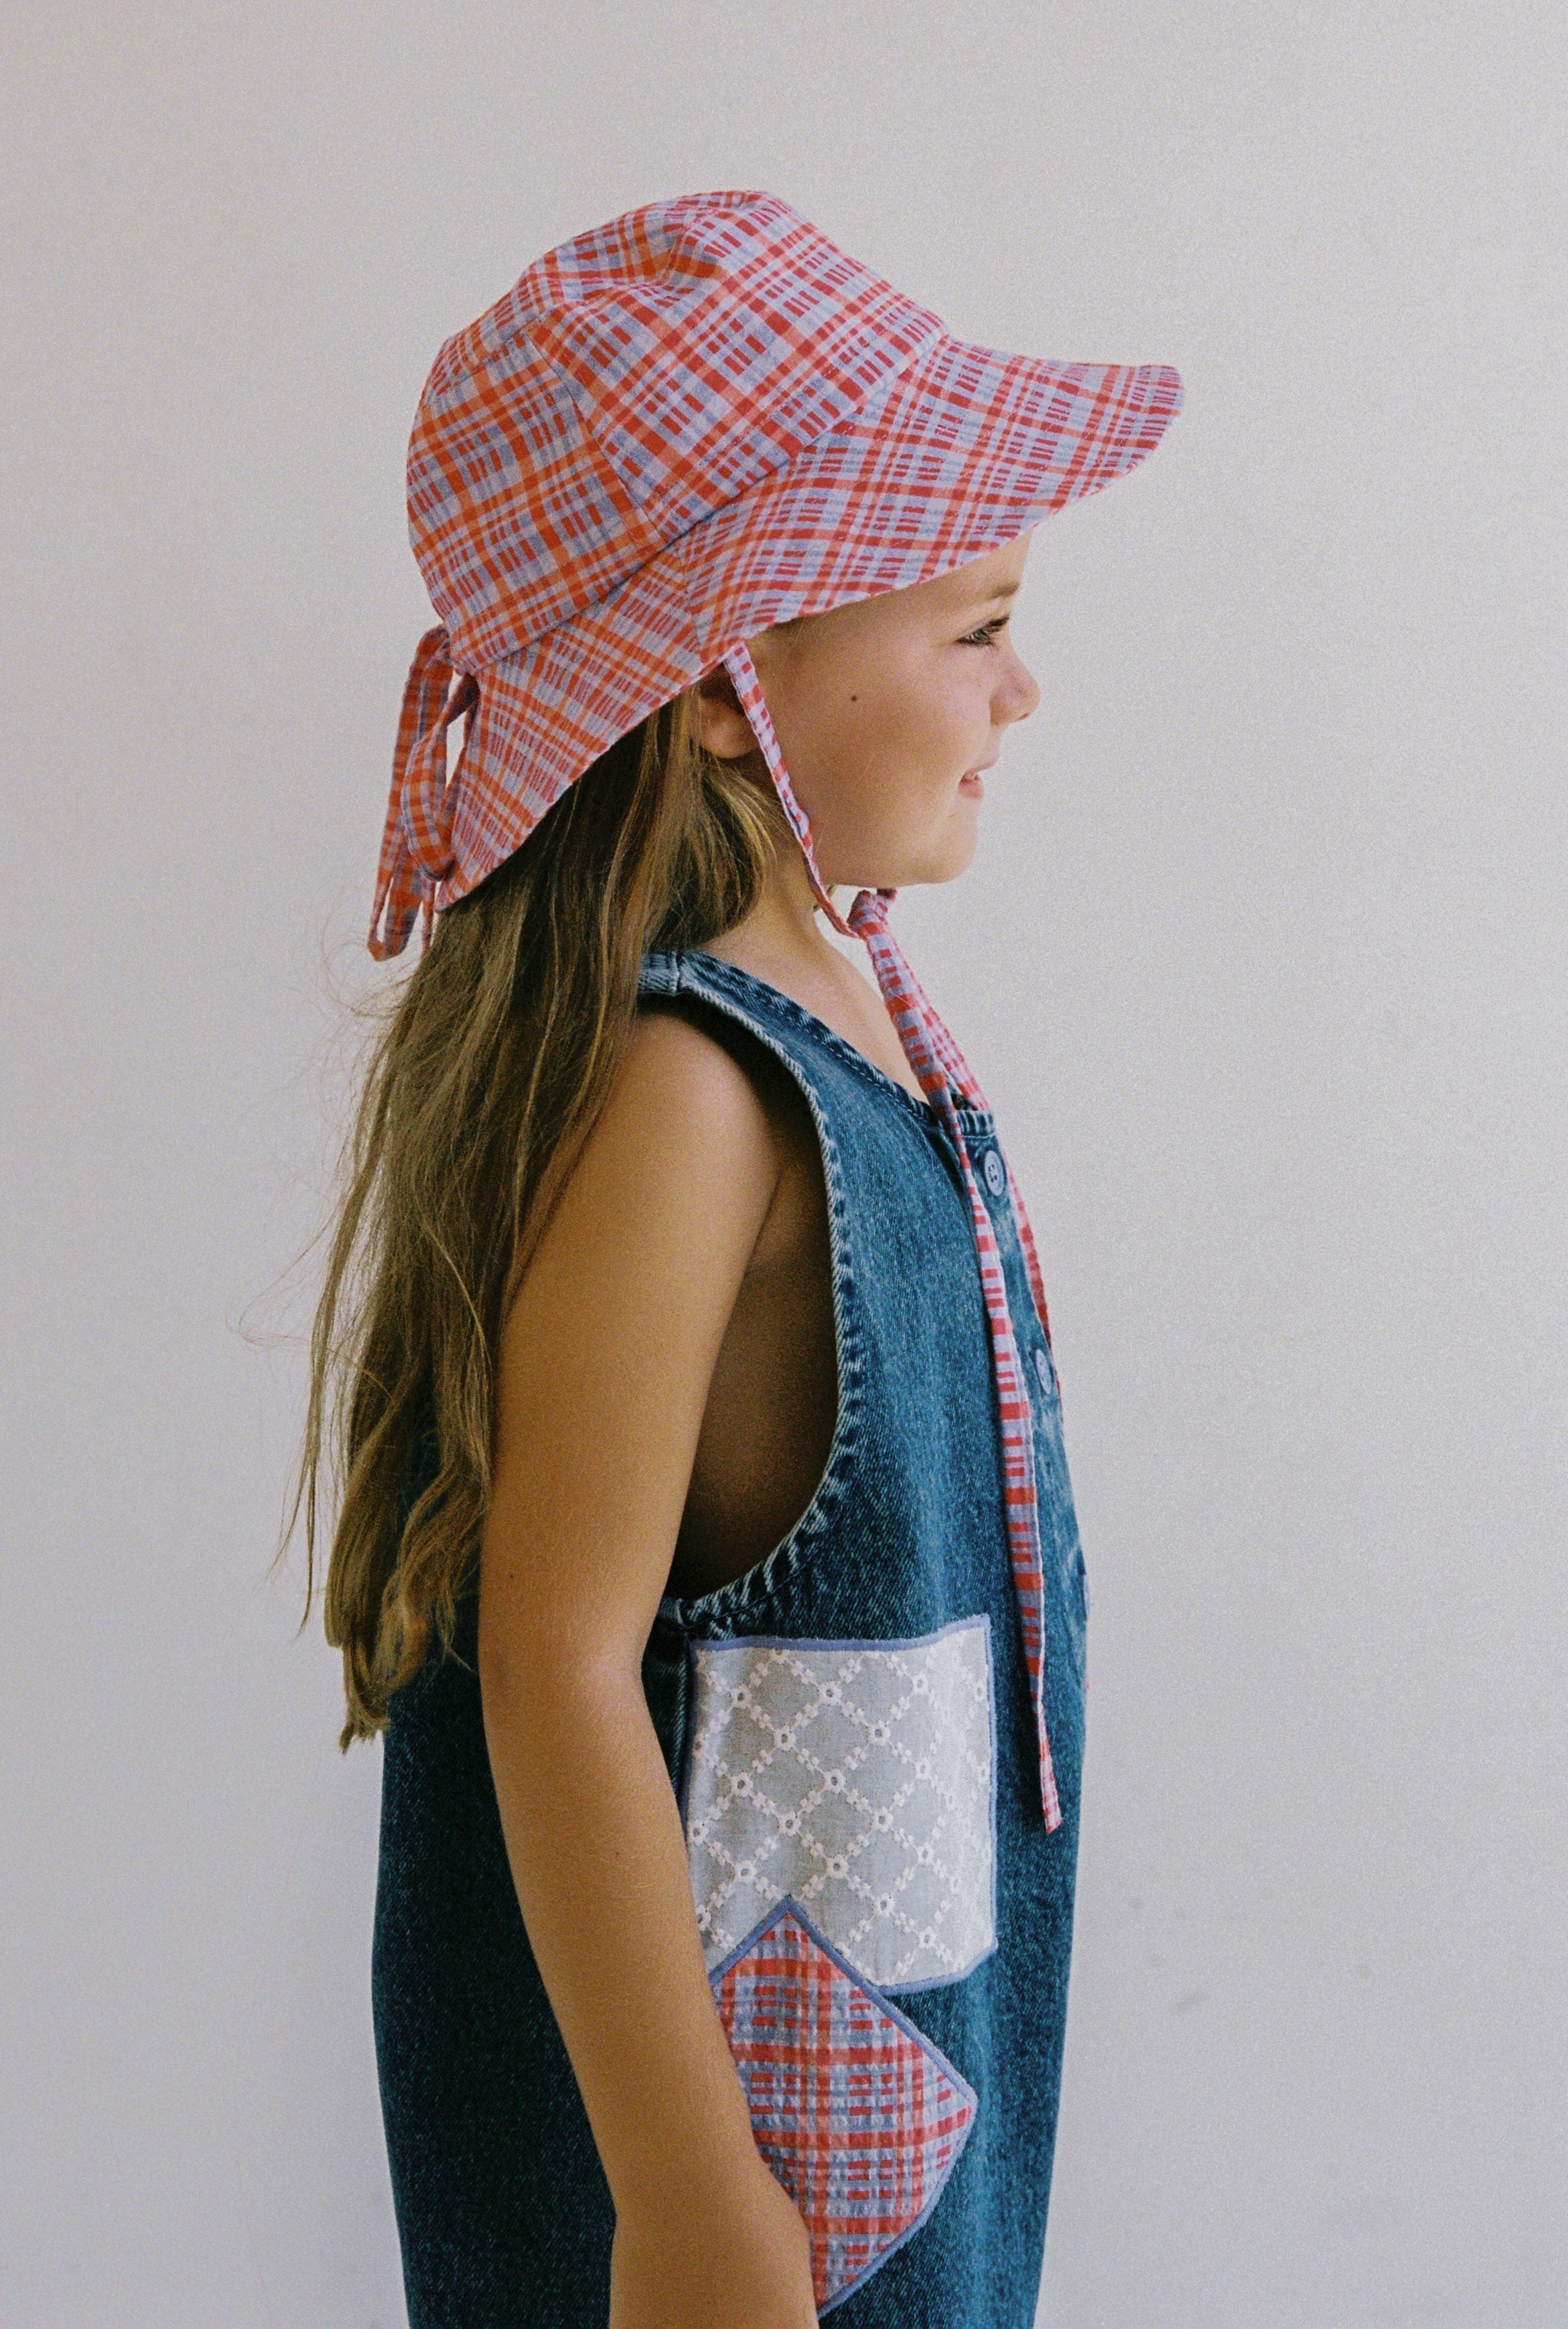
[674, 431]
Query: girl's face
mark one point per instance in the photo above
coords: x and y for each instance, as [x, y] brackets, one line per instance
[888, 711]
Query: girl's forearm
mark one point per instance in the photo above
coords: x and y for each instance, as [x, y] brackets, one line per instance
[599, 1863]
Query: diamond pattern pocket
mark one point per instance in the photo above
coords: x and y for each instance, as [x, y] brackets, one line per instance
[858, 2115]
[856, 1777]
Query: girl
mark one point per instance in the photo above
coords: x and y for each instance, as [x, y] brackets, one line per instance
[706, 1554]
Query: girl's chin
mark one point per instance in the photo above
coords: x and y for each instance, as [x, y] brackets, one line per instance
[946, 852]
[952, 852]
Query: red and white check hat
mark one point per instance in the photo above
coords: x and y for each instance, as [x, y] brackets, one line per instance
[672, 432]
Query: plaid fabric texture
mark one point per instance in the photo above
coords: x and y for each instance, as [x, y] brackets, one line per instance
[860, 2117]
[673, 432]
[948, 1082]
[917, 1021]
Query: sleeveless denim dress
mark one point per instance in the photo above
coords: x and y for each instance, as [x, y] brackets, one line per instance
[849, 1727]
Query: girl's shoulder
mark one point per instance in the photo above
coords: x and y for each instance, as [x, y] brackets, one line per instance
[687, 1152]
[693, 1077]
[705, 1140]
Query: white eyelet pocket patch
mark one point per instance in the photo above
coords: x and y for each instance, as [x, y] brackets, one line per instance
[856, 1777]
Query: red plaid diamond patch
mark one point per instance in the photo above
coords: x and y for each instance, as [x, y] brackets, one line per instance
[858, 2115]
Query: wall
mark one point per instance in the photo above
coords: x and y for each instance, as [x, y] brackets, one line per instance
[1262, 961]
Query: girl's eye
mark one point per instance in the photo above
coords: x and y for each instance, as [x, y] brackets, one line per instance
[986, 634]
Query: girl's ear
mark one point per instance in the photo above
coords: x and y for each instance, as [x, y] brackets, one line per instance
[723, 729]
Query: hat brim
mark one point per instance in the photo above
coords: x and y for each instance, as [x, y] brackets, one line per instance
[964, 450]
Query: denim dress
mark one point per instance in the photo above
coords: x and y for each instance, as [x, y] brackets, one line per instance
[850, 1730]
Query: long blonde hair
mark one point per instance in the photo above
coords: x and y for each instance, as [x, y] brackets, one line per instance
[495, 1058]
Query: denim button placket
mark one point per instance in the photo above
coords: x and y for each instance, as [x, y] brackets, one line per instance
[995, 1176]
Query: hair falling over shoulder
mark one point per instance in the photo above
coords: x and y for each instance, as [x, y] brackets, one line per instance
[494, 1060]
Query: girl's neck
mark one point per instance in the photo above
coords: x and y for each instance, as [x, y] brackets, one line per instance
[783, 943]
[781, 932]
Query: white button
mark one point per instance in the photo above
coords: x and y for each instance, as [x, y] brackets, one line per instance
[1043, 1369]
[996, 1178]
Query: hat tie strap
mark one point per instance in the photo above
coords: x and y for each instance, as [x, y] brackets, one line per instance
[416, 850]
[912, 1010]
[941, 1070]
[907, 1007]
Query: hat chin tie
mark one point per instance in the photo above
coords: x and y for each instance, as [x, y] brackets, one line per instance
[948, 1084]
[417, 856]
[416, 850]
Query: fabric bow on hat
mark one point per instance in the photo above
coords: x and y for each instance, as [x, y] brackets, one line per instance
[419, 855]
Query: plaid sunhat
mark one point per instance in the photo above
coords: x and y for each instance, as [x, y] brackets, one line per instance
[671, 433]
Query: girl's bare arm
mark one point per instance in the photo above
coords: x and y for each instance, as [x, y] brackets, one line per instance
[604, 1371]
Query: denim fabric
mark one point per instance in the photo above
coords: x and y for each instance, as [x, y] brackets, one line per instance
[501, 2206]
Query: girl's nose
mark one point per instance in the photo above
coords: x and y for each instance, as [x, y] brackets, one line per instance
[1018, 694]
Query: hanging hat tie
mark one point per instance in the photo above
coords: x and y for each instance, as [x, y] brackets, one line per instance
[943, 1075]
[416, 852]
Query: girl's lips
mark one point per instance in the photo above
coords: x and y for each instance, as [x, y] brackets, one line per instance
[973, 785]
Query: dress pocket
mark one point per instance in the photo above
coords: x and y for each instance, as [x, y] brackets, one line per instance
[857, 1779]
[860, 2117]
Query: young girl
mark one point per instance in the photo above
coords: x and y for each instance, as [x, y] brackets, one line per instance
[706, 1554]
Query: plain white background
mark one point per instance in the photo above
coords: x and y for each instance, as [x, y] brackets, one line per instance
[1262, 961]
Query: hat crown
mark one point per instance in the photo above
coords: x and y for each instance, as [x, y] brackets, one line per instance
[631, 382]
